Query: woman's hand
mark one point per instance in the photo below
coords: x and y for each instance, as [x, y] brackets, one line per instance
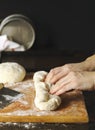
[71, 76]
[57, 73]
[81, 80]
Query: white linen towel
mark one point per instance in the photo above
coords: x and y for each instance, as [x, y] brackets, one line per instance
[8, 45]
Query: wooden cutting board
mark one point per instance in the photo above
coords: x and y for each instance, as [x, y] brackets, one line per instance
[72, 109]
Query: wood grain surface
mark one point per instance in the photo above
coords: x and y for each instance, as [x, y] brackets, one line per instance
[71, 110]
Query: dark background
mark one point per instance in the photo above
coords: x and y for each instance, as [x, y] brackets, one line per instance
[59, 24]
[62, 25]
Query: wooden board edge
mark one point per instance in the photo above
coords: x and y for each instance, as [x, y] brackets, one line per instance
[45, 119]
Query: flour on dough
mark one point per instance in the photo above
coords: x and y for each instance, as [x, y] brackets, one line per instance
[43, 99]
[11, 72]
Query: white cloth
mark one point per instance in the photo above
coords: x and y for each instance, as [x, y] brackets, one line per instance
[8, 45]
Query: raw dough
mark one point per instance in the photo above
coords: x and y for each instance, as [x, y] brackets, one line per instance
[39, 76]
[11, 72]
[43, 99]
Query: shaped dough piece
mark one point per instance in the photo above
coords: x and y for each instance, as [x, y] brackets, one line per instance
[43, 99]
[11, 72]
[42, 94]
[52, 104]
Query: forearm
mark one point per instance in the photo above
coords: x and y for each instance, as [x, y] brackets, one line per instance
[89, 63]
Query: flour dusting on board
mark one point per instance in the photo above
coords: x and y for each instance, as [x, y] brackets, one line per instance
[8, 97]
[24, 105]
[20, 86]
[72, 106]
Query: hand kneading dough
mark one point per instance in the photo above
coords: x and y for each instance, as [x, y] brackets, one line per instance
[43, 99]
[11, 72]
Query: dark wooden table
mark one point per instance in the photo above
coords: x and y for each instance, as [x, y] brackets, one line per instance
[45, 60]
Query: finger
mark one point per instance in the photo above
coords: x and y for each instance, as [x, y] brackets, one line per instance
[59, 73]
[64, 80]
[52, 73]
[54, 89]
[61, 83]
[64, 89]
[56, 74]
[49, 77]
[58, 87]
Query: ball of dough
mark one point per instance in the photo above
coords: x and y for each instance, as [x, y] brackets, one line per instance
[11, 72]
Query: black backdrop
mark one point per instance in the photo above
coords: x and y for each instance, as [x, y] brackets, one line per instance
[59, 24]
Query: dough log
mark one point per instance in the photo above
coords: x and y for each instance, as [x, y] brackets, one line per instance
[43, 99]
